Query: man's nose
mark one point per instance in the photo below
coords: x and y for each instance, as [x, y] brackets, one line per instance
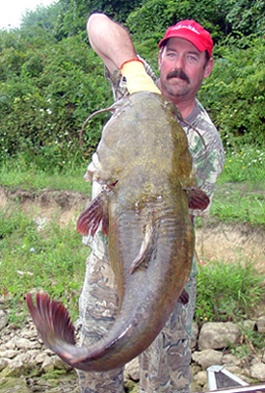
[179, 63]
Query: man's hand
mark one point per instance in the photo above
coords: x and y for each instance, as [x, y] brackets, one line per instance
[137, 78]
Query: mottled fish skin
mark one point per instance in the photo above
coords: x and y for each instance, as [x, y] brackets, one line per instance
[147, 170]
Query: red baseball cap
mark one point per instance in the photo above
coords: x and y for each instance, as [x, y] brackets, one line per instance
[191, 31]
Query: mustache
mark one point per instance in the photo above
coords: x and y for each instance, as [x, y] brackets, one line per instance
[178, 74]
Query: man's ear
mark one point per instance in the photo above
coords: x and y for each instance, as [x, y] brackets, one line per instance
[208, 67]
[159, 59]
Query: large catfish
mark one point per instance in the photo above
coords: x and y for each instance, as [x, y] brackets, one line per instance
[145, 167]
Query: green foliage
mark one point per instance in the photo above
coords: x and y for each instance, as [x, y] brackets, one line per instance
[51, 80]
[117, 9]
[218, 16]
[253, 341]
[245, 164]
[46, 94]
[227, 291]
[235, 92]
[73, 14]
[72, 18]
[155, 16]
[246, 16]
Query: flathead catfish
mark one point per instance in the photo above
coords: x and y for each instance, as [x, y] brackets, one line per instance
[145, 168]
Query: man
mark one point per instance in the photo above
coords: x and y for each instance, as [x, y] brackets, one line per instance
[185, 59]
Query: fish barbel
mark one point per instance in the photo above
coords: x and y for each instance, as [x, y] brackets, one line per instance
[145, 168]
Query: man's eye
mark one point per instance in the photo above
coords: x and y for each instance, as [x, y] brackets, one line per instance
[192, 59]
[171, 54]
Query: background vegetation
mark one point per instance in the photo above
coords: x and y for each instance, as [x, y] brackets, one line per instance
[51, 80]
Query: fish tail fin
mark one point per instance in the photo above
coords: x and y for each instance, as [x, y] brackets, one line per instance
[51, 319]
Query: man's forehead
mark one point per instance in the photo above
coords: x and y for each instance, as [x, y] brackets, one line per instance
[177, 43]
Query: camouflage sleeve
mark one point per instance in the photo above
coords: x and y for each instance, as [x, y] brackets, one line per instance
[118, 82]
[207, 153]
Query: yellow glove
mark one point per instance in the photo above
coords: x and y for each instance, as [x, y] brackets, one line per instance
[137, 78]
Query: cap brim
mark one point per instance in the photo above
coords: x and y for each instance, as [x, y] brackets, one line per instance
[192, 39]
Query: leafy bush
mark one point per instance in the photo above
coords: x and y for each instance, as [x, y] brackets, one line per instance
[51, 80]
[47, 98]
[235, 93]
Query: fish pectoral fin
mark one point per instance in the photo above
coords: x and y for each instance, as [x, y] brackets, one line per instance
[183, 297]
[96, 212]
[198, 199]
[145, 246]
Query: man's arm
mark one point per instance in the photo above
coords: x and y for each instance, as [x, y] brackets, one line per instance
[110, 41]
[113, 44]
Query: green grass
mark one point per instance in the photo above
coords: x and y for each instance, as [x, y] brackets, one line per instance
[228, 291]
[51, 259]
[19, 173]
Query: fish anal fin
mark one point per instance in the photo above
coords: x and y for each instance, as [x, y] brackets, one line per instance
[198, 199]
[96, 212]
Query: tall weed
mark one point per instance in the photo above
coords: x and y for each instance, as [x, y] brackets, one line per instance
[228, 292]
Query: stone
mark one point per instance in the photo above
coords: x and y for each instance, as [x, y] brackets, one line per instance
[9, 353]
[207, 358]
[248, 325]
[200, 378]
[194, 337]
[25, 344]
[257, 371]
[218, 335]
[3, 319]
[261, 324]
[54, 362]
[18, 366]
[40, 358]
[10, 344]
[47, 364]
[3, 363]
[229, 359]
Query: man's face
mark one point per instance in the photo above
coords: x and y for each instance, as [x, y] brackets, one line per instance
[182, 69]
